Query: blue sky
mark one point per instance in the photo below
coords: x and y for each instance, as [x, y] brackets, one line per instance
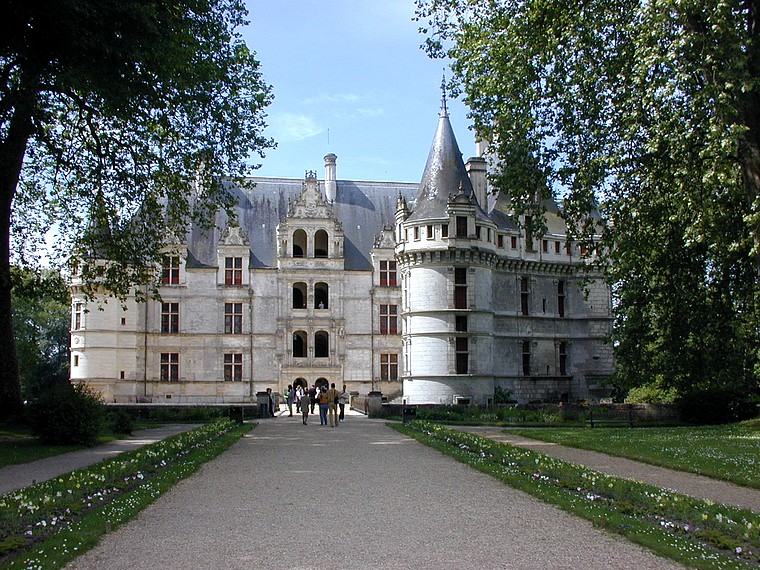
[349, 78]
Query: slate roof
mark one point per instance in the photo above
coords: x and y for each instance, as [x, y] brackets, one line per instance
[362, 208]
[445, 175]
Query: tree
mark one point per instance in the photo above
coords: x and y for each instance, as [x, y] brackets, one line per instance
[110, 111]
[650, 113]
[41, 322]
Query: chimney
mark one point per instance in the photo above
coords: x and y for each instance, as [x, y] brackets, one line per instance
[331, 184]
[476, 169]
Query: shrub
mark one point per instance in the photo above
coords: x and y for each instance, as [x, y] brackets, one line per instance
[651, 394]
[120, 422]
[68, 415]
[716, 406]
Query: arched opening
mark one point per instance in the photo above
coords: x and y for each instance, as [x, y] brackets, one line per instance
[321, 296]
[321, 344]
[299, 243]
[320, 243]
[300, 382]
[322, 383]
[299, 295]
[299, 344]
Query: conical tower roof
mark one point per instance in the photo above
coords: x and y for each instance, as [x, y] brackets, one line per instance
[445, 174]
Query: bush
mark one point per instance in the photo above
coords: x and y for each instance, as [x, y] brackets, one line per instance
[651, 394]
[120, 422]
[68, 415]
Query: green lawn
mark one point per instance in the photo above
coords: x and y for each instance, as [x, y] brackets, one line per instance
[730, 452]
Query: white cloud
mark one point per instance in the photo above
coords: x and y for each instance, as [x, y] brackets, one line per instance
[292, 127]
[334, 98]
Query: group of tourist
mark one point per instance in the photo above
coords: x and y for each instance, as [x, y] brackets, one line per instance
[332, 403]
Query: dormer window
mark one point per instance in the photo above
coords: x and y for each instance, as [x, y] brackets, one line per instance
[233, 270]
[170, 270]
[320, 244]
[461, 226]
[299, 243]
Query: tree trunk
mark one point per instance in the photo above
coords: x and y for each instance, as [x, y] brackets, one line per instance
[12, 151]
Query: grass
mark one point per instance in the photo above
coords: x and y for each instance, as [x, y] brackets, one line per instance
[48, 524]
[728, 452]
[17, 445]
[698, 534]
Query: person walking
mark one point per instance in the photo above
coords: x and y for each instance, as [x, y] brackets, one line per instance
[291, 394]
[299, 395]
[313, 397]
[345, 400]
[305, 408]
[271, 402]
[333, 397]
[323, 405]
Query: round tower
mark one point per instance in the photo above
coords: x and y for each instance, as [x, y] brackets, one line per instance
[445, 255]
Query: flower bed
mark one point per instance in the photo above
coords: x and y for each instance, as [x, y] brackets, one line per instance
[699, 534]
[47, 524]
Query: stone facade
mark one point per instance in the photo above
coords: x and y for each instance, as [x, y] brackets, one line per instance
[416, 291]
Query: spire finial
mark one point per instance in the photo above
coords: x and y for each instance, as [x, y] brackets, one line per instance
[444, 111]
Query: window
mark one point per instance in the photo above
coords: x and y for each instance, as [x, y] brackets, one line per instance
[477, 232]
[584, 250]
[526, 358]
[76, 360]
[170, 270]
[462, 226]
[299, 243]
[445, 230]
[460, 323]
[561, 298]
[321, 296]
[460, 288]
[416, 232]
[169, 367]
[123, 320]
[389, 367]
[299, 295]
[556, 246]
[387, 273]
[430, 232]
[513, 242]
[563, 359]
[388, 319]
[122, 375]
[299, 344]
[233, 270]
[170, 318]
[500, 240]
[321, 344]
[545, 245]
[233, 367]
[524, 296]
[462, 355]
[233, 318]
[77, 321]
[320, 244]
[489, 235]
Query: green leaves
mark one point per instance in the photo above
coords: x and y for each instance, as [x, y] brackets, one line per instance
[647, 112]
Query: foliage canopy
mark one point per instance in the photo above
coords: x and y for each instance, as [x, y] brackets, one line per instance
[648, 112]
[110, 112]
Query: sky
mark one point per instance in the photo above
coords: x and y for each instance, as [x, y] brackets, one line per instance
[349, 77]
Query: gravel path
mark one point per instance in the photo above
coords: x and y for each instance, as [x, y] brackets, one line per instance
[679, 481]
[15, 477]
[357, 496]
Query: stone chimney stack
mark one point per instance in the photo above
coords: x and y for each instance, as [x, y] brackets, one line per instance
[476, 169]
[331, 184]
